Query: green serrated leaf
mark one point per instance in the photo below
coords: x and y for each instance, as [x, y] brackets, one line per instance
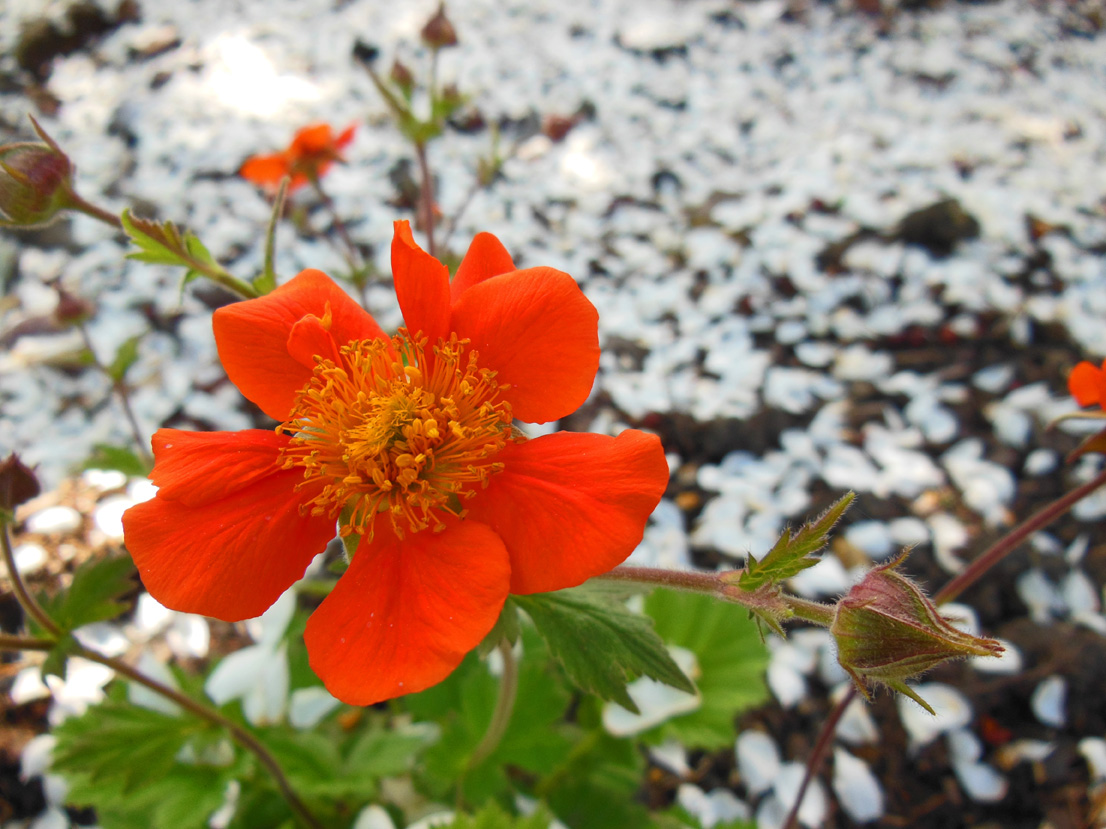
[597, 787]
[159, 243]
[793, 554]
[120, 747]
[125, 357]
[58, 658]
[105, 456]
[601, 644]
[94, 594]
[732, 663]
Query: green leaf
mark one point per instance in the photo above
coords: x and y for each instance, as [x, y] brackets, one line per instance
[106, 456]
[94, 595]
[120, 747]
[125, 357]
[601, 644]
[732, 662]
[58, 658]
[493, 816]
[793, 554]
[158, 243]
[379, 753]
[597, 787]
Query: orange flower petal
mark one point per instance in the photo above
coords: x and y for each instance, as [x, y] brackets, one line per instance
[345, 137]
[253, 337]
[422, 286]
[406, 612]
[311, 140]
[1086, 383]
[535, 328]
[265, 170]
[486, 257]
[571, 506]
[197, 468]
[229, 558]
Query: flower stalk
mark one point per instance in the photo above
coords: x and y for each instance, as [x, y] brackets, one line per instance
[504, 706]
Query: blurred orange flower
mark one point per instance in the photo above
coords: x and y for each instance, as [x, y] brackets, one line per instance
[1087, 384]
[308, 157]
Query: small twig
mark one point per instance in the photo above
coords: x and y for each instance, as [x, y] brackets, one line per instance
[426, 197]
[120, 388]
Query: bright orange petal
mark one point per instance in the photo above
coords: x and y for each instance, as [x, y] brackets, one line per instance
[345, 137]
[406, 612]
[253, 337]
[197, 468]
[311, 140]
[422, 286]
[540, 333]
[571, 506]
[228, 558]
[265, 170]
[486, 257]
[1085, 383]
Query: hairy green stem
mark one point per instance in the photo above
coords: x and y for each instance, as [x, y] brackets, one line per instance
[80, 205]
[9, 642]
[31, 607]
[504, 706]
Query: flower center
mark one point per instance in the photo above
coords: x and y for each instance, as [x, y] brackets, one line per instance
[387, 430]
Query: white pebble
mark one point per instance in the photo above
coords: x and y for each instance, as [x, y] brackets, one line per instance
[812, 810]
[1048, 701]
[108, 516]
[1093, 750]
[858, 790]
[758, 760]
[713, 807]
[59, 520]
[951, 711]
[30, 558]
[104, 479]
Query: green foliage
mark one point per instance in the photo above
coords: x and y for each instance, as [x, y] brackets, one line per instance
[601, 644]
[94, 595]
[732, 661]
[493, 816]
[105, 456]
[162, 243]
[125, 357]
[793, 554]
[536, 740]
[123, 760]
[596, 787]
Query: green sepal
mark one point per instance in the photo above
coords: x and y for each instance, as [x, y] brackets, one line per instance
[792, 554]
[601, 644]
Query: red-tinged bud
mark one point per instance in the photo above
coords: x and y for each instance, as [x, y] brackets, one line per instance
[17, 483]
[35, 183]
[438, 33]
[402, 77]
[72, 309]
[888, 631]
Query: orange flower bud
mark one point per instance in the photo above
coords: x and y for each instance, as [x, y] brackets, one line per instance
[888, 631]
[35, 183]
[438, 33]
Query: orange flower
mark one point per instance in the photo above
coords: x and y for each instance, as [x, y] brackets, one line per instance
[1087, 384]
[408, 443]
[309, 156]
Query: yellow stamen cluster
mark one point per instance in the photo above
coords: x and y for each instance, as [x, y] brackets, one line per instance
[390, 429]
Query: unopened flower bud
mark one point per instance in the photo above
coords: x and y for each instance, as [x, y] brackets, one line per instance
[888, 631]
[17, 483]
[35, 183]
[438, 33]
[71, 308]
[402, 77]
